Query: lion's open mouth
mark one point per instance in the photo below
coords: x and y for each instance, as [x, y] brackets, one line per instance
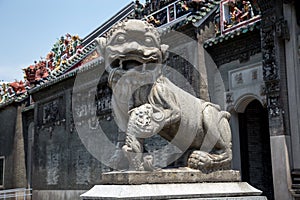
[126, 64]
[129, 63]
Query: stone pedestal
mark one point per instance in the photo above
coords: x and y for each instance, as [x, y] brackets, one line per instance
[181, 175]
[173, 184]
[228, 191]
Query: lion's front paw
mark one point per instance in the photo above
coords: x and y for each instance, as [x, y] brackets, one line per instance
[200, 160]
[207, 162]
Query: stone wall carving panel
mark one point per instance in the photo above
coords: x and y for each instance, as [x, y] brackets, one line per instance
[273, 31]
[51, 114]
[271, 69]
[93, 107]
[103, 99]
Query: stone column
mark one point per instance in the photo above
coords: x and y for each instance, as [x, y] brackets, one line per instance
[293, 79]
[19, 170]
[272, 39]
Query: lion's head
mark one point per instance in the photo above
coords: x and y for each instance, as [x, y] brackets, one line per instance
[132, 44]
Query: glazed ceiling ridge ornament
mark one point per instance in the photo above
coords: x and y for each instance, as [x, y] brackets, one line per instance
[146, 103]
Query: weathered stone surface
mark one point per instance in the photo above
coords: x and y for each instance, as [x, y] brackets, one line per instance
[174, 191]
[184, 175]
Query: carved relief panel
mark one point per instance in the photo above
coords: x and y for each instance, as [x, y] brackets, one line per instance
[92, 106]
[103, 99]
[51, 113]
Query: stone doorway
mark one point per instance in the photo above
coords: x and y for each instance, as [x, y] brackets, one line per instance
[256, 167]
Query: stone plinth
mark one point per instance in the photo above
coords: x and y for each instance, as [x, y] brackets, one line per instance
[183, 175]
[182, 183]
[228, 191]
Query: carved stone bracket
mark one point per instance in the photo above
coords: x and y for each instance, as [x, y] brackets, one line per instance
[282, 30]
[273, 100]
[274, 107]
[272, 87]
[229, 98]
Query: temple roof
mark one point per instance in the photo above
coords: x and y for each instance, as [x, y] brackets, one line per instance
[70, 74]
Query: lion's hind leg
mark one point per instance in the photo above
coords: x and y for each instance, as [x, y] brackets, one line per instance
[215, 152]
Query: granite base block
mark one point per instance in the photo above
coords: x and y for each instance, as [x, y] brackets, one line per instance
[183, 175]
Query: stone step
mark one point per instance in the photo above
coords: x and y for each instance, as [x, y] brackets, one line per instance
[296, 176]
[212, 191]
[296, 186]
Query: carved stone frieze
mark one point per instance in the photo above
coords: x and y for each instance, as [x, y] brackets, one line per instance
[282, 30]
[270, 71]
[272, 29]
[272, 87]
[229, 98]
[274, 107]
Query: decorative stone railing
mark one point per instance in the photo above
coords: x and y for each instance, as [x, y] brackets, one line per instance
[170, 13]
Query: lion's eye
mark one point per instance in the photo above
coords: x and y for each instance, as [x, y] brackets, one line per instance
[149, 41]
[121, 38]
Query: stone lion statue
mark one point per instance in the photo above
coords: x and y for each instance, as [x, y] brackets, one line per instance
[146, 103]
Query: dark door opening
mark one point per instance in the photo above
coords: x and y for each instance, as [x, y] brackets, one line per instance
[255, 148]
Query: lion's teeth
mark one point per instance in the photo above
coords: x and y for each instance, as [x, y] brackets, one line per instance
[121, 64]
